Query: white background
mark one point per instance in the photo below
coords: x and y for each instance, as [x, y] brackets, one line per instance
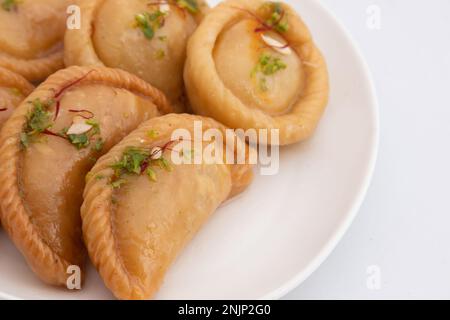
[403, 227]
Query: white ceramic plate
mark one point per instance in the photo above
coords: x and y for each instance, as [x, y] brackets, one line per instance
[272, 237]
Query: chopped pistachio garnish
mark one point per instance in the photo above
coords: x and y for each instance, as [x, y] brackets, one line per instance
[39, 119]
[151, 174]
[10, 5]
[98, 146]
[157, 153]
[79, 140]
[263, 85]
[84, 140]
[88, 177]
[16, 92]
[188, 154]
[189, 5]
[267, 65]
[275, 16]
[149, 23]
[164, 164]
[95, 126]
[131, 162]
[118, 183]
[162, 38]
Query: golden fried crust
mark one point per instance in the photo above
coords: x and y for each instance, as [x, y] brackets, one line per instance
[14, 80]
[34, 69]
[134, 275]
[107, 23]
[13, 89]
[209, 96]
[15, 213]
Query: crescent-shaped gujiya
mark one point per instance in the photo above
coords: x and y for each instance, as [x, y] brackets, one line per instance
[142, 207]
[146, 38]
[48, 146]
[31, 37]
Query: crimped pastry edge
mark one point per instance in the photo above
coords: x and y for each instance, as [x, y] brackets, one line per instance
[48, 265]
[96, 210]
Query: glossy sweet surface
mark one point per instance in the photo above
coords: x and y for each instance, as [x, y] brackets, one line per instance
[151, 230]
[236, 63]
[145, 38]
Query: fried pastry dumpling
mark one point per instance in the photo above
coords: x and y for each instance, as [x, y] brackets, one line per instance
[31, 37]
[146, 38]
[13, 89]
[253, 64]
[141, 207]
[48, 146]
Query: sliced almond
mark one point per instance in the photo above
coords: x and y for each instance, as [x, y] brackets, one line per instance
[79, 128]
[156, 153]
[278, 44]
[164, 8]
